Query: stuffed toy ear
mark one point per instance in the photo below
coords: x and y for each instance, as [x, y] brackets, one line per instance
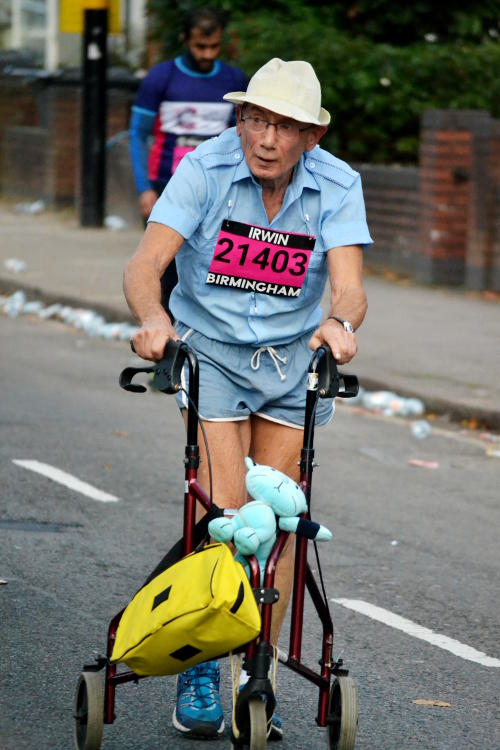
[274, 488]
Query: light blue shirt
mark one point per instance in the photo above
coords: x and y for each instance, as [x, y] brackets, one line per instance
[214, 183]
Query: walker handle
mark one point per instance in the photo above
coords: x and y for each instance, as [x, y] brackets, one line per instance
[167, 372]
[331, 382]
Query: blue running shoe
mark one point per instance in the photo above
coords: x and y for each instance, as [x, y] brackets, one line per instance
[198, 711]
[276, 733]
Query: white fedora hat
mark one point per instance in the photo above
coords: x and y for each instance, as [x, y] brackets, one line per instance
[290, 88]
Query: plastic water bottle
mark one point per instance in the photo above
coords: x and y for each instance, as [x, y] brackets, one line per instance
[421, 429]
[15, 304]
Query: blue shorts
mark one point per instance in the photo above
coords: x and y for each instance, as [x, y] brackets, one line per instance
[237, 380]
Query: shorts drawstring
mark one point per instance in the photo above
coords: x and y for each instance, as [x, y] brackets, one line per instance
[255, 360]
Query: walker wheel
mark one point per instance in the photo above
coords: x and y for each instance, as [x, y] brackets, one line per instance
[342, 714]
[258, 724]
[257, 728]
[89, 711]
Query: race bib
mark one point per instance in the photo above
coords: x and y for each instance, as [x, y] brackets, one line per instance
[259, 259]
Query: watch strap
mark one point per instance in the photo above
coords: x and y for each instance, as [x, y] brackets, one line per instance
[345, 323]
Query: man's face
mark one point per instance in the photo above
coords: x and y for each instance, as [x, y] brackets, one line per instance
[203, 48]
[269, 156]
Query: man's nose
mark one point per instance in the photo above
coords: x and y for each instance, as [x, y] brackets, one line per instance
[210, 54]
[270, 134]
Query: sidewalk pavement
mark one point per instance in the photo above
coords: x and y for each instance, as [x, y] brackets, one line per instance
[440, 345]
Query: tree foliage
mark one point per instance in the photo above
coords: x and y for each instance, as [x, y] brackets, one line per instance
[380, 63]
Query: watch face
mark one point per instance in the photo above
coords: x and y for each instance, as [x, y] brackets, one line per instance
[348, 326]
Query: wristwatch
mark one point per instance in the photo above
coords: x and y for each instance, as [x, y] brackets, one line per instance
[347, 326]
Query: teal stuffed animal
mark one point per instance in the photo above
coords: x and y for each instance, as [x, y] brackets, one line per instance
[278, 501]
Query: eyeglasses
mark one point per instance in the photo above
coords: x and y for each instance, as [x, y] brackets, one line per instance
[285, 130]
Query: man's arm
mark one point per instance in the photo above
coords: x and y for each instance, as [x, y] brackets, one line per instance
[347, 301]
[142, 288]
[140, 129]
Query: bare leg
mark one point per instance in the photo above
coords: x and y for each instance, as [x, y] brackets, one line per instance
[278, 446]
[267, 443]
[228, 444]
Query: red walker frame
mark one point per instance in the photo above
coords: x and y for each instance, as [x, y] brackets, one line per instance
[344, 386]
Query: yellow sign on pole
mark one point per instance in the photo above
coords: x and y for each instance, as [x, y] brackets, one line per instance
[71, 15]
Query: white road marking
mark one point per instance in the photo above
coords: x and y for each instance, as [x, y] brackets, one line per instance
[418, 631]
[68, 480]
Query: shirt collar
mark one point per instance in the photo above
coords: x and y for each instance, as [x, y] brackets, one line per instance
[302, 177]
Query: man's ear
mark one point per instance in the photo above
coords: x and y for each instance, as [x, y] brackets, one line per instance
[314, 135]
[239, 110]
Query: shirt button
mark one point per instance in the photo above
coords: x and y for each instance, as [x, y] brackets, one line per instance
[312, 164]
[237, 155]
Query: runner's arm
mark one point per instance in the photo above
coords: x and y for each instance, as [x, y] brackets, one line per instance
[347, 301]
[140, 129]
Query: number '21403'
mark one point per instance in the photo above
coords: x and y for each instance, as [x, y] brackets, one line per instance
[279, 261]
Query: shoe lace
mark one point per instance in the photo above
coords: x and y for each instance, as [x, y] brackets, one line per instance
[199, 685]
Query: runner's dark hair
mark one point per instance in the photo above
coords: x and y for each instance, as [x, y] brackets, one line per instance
[209, 20]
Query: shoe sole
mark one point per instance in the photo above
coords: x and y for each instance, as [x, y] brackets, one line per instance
[275, 735]
[203, 731]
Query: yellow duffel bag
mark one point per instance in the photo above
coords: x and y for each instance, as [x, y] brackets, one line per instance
[199, 608]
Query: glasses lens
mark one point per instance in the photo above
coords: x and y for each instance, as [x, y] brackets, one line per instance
[285, 130]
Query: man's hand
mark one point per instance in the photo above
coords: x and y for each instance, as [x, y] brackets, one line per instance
[147, 199]
[152, 337]
[341, 342]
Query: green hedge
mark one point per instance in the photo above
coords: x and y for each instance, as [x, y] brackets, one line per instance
[376, 92]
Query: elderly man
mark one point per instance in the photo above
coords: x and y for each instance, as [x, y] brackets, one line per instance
[258, 219]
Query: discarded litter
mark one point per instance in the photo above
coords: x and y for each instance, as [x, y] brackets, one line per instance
[51, 311]
[421, 429]
[35, 207]
[423, 464]
[390, 404]
[82, 319]
[394, 543]
[15, 265]
[435, 703]
[14, 304]
[32, 308]
[489, 437]
[115, 223]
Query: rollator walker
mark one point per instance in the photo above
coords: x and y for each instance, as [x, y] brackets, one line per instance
[337, 708]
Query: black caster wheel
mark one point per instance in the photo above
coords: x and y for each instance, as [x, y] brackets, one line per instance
[342, 714]
[89, 711]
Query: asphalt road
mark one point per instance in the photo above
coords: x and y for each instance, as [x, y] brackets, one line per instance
[419, 543]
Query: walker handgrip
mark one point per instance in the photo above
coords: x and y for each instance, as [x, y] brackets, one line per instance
[332, 383]
[350, 386]
[167, 372]
[126, 375]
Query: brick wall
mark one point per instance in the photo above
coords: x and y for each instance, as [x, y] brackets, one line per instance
[459, 180]
[40, 134]
[392, 209]
[440, 222]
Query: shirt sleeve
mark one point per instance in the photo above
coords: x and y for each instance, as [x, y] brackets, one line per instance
[184, 201]
[346, 225]
[140, 128]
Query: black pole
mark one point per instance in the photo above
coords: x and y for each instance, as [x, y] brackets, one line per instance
[93, 120]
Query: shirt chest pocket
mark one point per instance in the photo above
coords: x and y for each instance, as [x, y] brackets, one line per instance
[316, 274]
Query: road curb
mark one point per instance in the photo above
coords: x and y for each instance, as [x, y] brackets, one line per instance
[456, 411]
[110, 313]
